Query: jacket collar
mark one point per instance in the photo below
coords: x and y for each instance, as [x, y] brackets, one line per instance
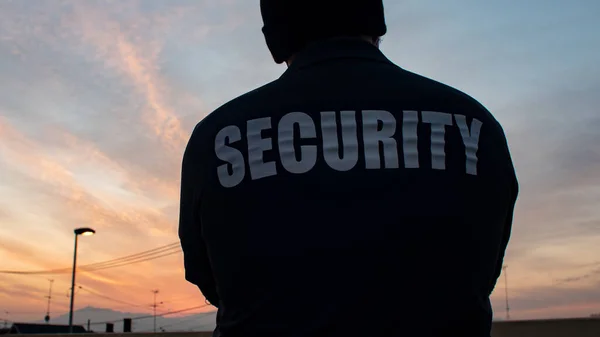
[338, 48]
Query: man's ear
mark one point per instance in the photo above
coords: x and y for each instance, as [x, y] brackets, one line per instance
[377, 41]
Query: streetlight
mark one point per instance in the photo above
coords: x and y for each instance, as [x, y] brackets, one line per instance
[84, 232]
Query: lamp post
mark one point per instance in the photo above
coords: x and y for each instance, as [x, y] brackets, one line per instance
[85, 232]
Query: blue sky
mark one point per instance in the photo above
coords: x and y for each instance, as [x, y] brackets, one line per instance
[98, 98]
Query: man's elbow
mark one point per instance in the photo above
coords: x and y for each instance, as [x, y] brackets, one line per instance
[207, 286]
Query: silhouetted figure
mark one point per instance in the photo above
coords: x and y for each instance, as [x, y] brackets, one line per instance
[349, 197]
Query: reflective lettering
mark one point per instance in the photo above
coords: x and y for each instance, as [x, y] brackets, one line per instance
[231, 156]
[331, 145]
[373, 137]
[410, 139]
[471, 140]
[257, 145]
[338, 140]
[438, 121]
[308, 153]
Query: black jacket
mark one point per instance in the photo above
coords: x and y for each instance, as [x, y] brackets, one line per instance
[348, 198]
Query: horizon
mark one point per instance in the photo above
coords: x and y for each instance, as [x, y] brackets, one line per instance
[98, 317]
[99, 99]
[173, 320]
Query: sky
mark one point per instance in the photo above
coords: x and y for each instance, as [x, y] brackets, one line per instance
[98, 99]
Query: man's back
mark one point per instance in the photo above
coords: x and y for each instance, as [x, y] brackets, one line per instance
[348, 198]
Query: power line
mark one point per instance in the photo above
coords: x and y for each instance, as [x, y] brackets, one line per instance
[177, 299]
[159, 315]
[186, 319]
[182, 321]
[101, 295]
[103, 265]
[134, 256]
[110, 298]
[147, 255]
[172, 312]
[149, 258]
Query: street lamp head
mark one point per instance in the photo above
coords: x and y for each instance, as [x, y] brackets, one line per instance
[85, 231]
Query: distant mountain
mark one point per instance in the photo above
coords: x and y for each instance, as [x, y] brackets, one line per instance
[141, 322]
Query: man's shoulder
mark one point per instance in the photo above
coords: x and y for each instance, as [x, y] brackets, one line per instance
[239, 106]
[251, 98]
[445, 91]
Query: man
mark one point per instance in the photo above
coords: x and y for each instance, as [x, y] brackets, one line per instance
[349, 197]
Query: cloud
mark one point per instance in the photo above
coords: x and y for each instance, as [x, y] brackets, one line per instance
[101, 142]
[133, 178]
[591, 273]
[62, 189]
[137, 62]
[13, 248]
[22, 291]
[550, 301]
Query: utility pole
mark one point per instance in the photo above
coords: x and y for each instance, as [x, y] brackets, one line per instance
[154, 307]
[49, 297]
[506, 291]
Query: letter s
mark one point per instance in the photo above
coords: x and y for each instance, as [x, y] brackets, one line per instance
[232, 156]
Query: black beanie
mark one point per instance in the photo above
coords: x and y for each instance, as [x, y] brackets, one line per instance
[289, 25]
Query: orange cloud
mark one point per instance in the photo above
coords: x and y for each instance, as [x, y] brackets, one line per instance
[28, 254]
[138, 62]
[160, 118]
[29, 156]
[129, 221]
[81, 203]
[82, 151]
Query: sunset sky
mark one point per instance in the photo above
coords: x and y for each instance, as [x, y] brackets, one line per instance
[99, 97]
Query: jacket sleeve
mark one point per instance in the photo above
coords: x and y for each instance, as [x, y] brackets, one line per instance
[505, 238]
[197, 265]
[506, 232]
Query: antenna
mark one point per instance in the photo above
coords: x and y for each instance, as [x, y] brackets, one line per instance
[506, 291]
[155, 292]
[49, 297]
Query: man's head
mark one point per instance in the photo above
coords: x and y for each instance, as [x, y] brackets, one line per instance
[289, 25]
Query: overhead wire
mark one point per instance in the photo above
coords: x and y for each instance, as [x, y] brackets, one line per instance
[110, 298]
[149, 258]
[136, 256]
[143, 256]
[187, 319]
[151, 316]
[172, 312]
[178, 299]
[182, 320]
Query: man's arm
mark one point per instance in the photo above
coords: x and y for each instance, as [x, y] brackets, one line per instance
[514, 189]
[197, 266]
[505, 238]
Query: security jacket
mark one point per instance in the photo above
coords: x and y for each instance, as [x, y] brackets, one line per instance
[349, 197]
